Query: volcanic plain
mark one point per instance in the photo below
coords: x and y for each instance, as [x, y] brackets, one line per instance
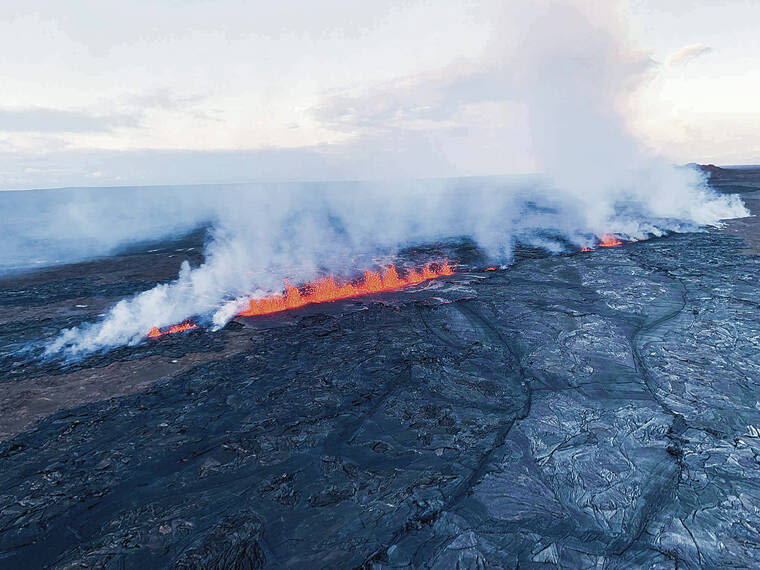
[593, 410]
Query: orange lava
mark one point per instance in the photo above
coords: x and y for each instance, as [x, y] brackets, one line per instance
[609, 240]
[490, 269]
[156, 332]
[328, 289]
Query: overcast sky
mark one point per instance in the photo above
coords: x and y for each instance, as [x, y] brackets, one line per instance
[152, 92]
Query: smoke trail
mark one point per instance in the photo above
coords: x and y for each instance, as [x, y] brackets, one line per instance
[569, 69]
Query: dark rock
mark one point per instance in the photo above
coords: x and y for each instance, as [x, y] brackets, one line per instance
[595, 410]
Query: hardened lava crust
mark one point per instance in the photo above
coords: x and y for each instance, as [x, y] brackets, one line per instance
[600, 409]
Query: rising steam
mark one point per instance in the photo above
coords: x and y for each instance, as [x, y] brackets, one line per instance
[569, 72]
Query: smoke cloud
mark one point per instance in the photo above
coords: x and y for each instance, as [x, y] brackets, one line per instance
[564, 70]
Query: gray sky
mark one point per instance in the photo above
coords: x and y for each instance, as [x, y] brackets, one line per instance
[95, 93]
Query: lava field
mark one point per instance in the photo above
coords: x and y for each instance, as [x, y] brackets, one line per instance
[593, 410]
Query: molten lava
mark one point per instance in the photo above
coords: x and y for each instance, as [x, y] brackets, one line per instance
[328, 289]
[609, 240]
[156, 332]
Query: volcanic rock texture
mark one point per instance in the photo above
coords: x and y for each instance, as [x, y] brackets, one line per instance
[592, 410]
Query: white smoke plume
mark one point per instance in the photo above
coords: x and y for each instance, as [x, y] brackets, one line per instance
[565, 66]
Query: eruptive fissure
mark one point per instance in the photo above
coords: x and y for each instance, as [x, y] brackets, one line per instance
[156, 332]
[607, 240]
[329, 289]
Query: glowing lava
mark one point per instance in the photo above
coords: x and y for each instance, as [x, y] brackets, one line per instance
[156, 332]
[609, 240]
[328, 289]
[325, 290]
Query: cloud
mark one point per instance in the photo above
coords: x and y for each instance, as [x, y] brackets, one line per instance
[60, 121]
[688, 53]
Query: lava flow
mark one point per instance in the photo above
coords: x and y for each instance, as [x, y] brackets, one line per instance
[328, 289]
[156, 332]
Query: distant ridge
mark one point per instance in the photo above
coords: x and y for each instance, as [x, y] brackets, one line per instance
[731, 179]
[711, 168]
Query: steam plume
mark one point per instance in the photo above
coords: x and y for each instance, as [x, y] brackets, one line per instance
[567, 68]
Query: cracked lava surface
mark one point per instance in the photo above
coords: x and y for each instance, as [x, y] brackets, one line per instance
[595, 410]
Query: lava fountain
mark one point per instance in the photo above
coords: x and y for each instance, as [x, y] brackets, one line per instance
[156, 332]
[609, 240]
[327, 289]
